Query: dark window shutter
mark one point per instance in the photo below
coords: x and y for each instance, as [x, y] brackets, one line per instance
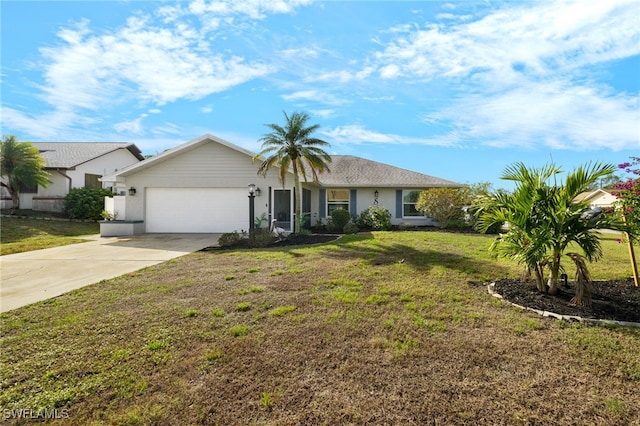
[353, 202]
[399, 203]
[323, 203]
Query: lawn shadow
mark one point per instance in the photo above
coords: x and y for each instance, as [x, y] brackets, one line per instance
[421, 259]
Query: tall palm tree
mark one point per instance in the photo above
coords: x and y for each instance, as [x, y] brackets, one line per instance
[292, 146]
[20, 164]
[544, 219]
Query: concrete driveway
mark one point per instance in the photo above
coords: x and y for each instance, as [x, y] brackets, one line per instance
[30, 277]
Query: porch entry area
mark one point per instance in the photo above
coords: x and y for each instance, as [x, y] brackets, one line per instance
[282, 208]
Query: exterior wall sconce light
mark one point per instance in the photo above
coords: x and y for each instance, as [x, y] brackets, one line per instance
[132, 191]
[254, 190]
[375, 195]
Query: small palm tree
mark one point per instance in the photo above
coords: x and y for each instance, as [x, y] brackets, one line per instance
[292, 146]
[20, 164]
[544, 219]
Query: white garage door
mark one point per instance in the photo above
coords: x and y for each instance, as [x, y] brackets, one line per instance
[196, 210]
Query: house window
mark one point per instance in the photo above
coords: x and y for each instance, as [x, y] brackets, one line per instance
[91, 181]
[28, 189]
[409, 200]
[337, 199]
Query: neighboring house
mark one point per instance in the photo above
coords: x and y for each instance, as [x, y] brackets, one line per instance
[599, 198]
[202, 186]
[73, 165]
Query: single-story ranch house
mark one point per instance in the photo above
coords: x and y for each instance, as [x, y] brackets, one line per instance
[73, 165]
[601, 198]
[202, 187]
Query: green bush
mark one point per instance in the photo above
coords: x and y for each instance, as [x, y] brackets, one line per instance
[351, 228]
[260, 237]
[377, 218]
[458, 224]
[229, 239]
[339, 218]
[85, 203]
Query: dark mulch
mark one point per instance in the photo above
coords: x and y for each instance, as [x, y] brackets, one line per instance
[291, 240]
[612, 300]
[295, 240]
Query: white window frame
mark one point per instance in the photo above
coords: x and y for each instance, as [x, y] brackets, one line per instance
[406, 193]
[340, 203]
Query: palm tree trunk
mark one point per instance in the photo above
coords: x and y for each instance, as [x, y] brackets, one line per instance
[583, 281]
[540, 279]
[554, 274]
[15, 202]
[298, 205]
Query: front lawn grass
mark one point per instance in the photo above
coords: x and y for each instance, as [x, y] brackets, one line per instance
[18, 235]
[377, 328]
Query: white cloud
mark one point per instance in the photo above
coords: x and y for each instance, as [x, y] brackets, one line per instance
[356, 134]
[302, 95]
[323, 113]
[206, 109]
[154, 65]
[132, 126]
[59, 125]
[525, 70]
[318, 96]
[167, 128]
[549, 115]
[253, 9]
[390, 71]
[544, 37]
[141, 62]
[305, 52]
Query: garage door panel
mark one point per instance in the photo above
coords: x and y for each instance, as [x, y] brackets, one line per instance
[196, 210]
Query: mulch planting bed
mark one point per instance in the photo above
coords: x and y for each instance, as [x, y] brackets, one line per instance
[611, 300]
[291, 240]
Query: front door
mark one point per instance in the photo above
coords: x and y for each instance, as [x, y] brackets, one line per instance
[282, 211]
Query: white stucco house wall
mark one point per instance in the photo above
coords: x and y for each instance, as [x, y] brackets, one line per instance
[202, 187]
[599, 198]
[73, 165]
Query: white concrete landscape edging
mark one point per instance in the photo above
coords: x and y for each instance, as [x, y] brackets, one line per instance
[492, 291]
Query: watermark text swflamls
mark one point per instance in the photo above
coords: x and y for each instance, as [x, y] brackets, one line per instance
[44, 414]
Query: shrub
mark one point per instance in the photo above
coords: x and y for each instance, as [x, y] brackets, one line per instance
[229, 239]
[377, 218]
[351, 228]
[458, 224]
[443, 204]
[339, 218]
[85, 203]
[260, 237]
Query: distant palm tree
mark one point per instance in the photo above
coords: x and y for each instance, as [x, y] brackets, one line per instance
[20, 165]
[544, 220]
[292, 146]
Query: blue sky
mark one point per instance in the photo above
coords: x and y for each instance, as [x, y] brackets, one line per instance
[454, 89]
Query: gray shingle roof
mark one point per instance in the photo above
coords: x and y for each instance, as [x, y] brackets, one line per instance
[66, 155]
[348, 170]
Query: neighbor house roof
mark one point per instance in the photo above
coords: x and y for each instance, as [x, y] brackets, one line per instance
[67, 155]
[348, 170]
[589, 195]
